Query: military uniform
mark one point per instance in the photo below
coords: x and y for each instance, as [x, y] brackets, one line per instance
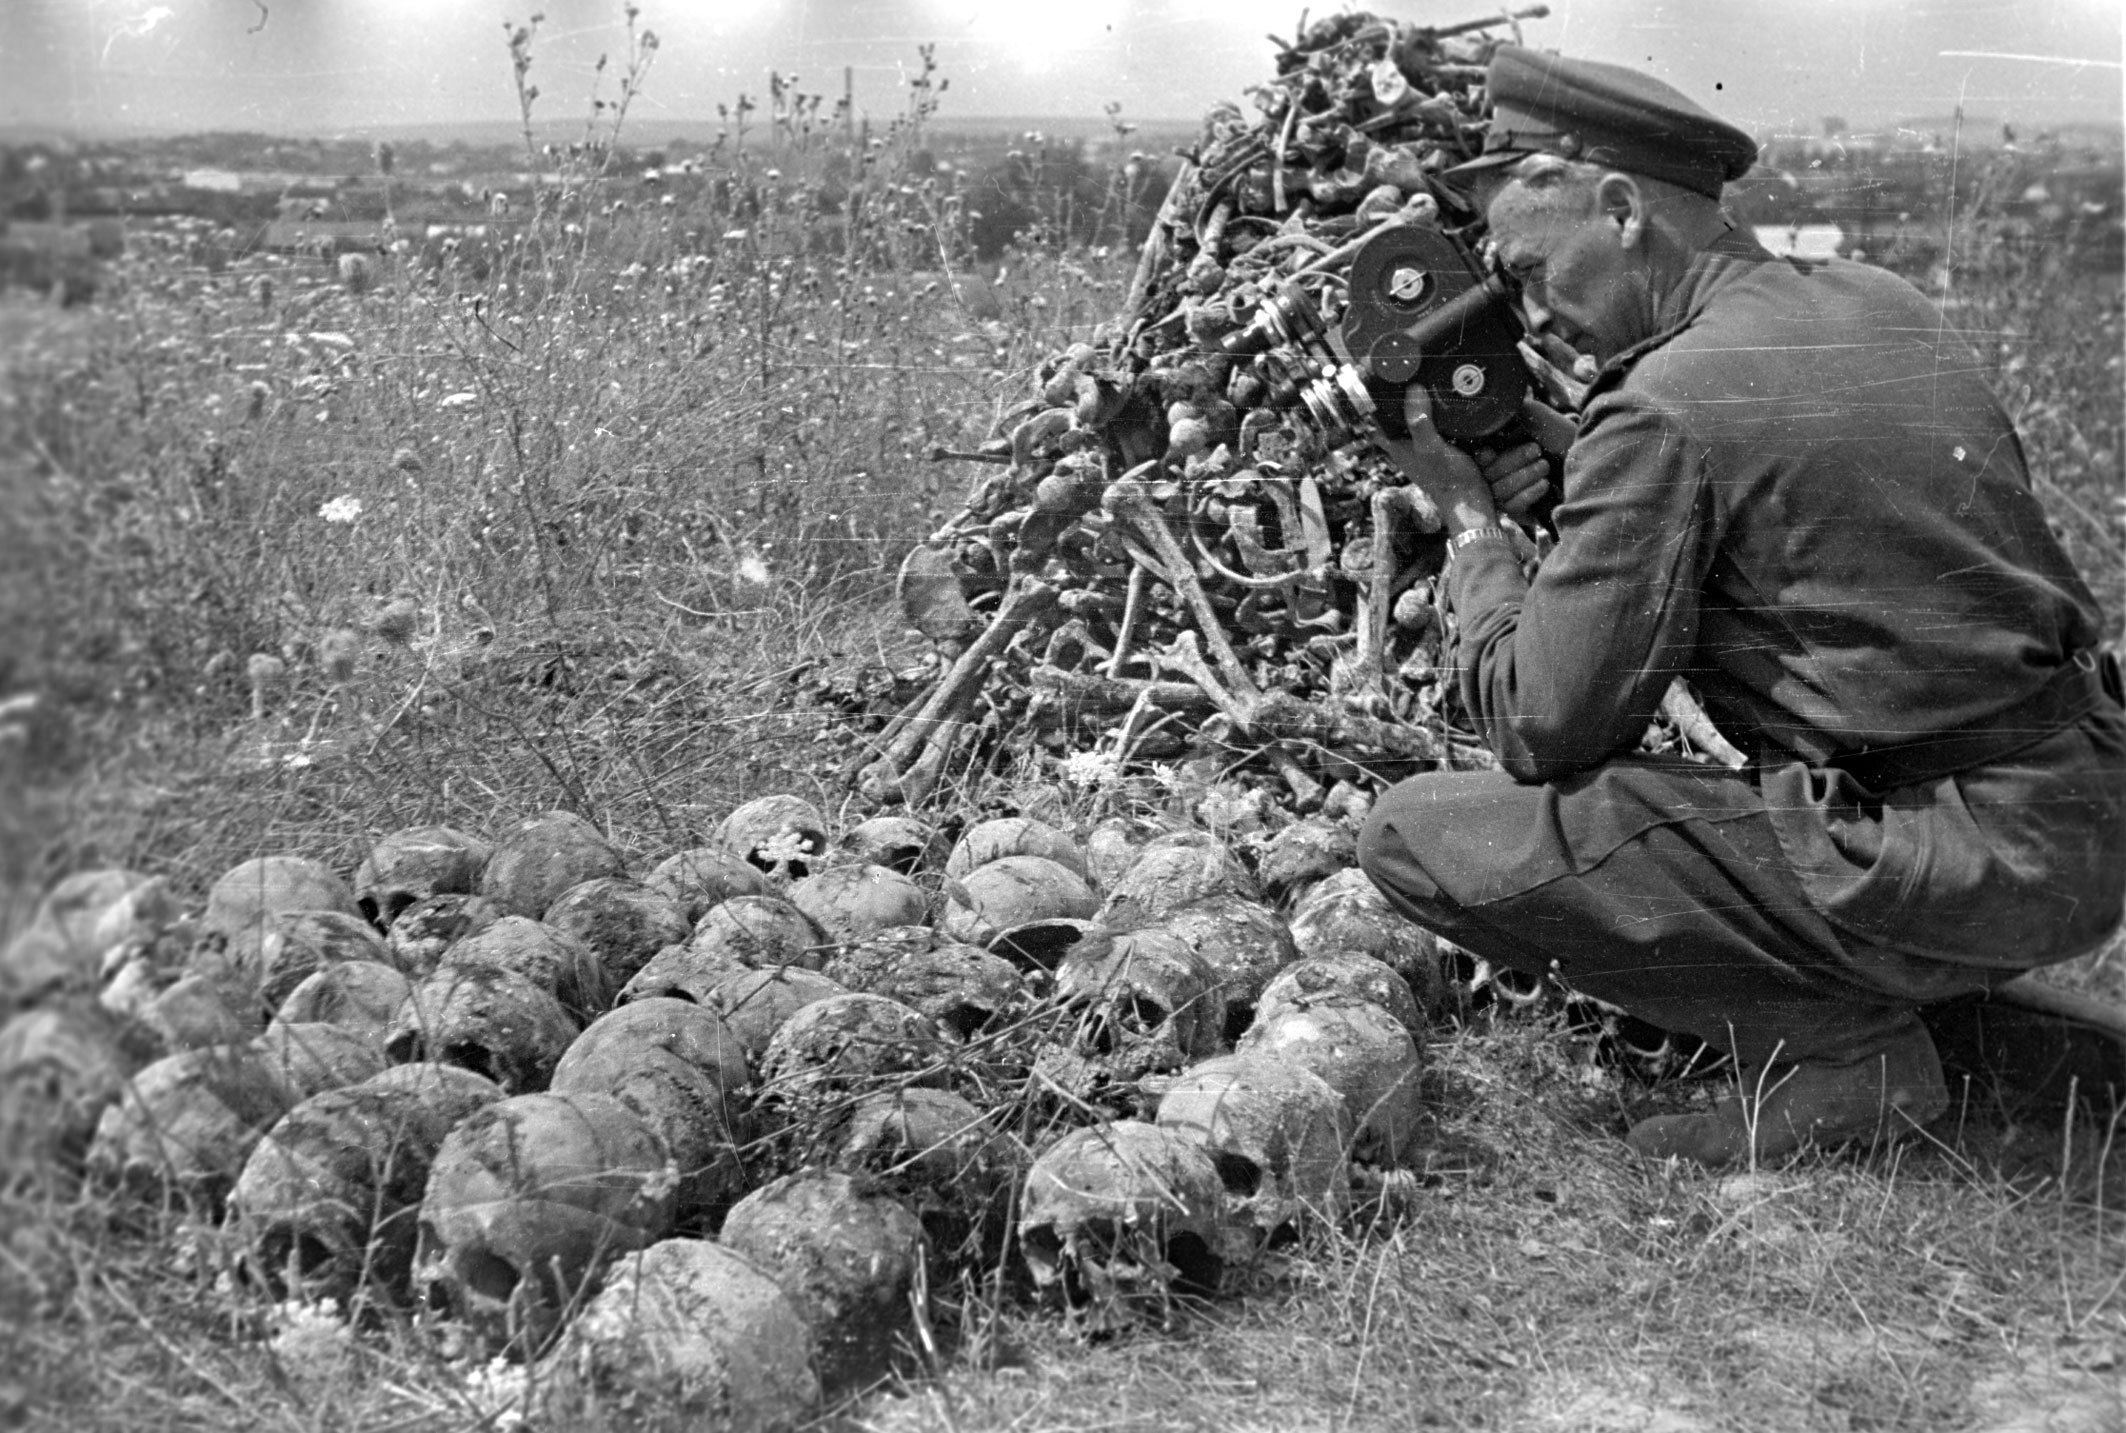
[1799, 494]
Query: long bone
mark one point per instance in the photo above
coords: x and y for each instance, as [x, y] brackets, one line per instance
[926, 737]
[1186, 657]
[1129, 498]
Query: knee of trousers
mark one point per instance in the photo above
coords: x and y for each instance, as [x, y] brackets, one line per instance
[1385, 853]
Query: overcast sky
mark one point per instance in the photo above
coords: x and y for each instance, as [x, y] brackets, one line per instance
[321, 65]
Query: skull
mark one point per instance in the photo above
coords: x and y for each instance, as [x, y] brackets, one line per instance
[849, 903]
[1114, 845]
[1117, 1217]
[1279, 1136]
[680, 972]
[326, 1204]
[761, 931]
[784, 833]
[61, 1066]
[899, 843]
[241, 905]
[1037, 947]
[1140, 1004]
[1365, 1055]
[1171, 872]
[298, 944]
[941, 1158]
[1245, 944]
[705, 876]
[62, 947]
[196, 1014]
[965, 990]
[413, 864]
[313, 1058]
[755, 1004]
[541, 857]
[987, 841]
[1013, 892]
[691, 1329]
[528, 1200]
[1347, 914]
[1304, 853]
[866, 962]
[359, 996]
[551, 959]
[1324, 980]
[679, 1101]
[847, 1043]
[679, 1067]
[187, 1122]
[680, 1028]
[846, 1259]
[428, 928]
[621, 923]
[486, 1019]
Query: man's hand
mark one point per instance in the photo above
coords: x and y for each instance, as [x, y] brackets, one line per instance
[1441, 471]
[1518, 476]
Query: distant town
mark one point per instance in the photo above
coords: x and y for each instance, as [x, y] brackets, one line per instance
[66, 205]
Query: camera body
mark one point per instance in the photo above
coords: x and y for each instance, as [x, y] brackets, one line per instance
[1418, 310]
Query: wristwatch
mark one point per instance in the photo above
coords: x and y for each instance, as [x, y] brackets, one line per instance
[1489, 532]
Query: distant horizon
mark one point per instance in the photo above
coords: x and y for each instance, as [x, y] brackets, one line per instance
[1979, 129]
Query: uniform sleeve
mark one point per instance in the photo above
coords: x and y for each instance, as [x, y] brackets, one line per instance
[1565, 672]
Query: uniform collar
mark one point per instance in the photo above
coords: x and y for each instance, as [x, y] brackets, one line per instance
[1711, 269]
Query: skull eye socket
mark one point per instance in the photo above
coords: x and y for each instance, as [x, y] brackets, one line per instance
[1241, 1176]
[487, 1276]
[467, 1055]
[1143, 1015]
[287, 1257]
[964, 1020]
[385, 913]
[1194, 1261]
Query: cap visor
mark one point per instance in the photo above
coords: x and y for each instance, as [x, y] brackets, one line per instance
[1461, 176]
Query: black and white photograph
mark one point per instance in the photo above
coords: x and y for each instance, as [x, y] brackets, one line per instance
[926, 716]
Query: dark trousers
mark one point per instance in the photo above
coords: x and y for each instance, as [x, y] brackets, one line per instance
[1660, 887]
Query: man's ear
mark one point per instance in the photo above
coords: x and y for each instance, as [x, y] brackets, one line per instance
[1621, 201]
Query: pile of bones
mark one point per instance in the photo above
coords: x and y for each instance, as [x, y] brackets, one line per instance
[696, 1136]
[1185, 538]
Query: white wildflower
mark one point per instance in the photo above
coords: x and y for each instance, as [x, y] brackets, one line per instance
[1092, 769]
[658, 1187]
[344, 508]
[458, 400]
[784, 847]
[298, 761]
[499, 1390]
[753, 568]
[310, 1337]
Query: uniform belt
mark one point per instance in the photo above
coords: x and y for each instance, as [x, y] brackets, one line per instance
[2072, 693]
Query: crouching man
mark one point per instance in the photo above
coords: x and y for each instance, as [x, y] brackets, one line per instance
[1790, 485]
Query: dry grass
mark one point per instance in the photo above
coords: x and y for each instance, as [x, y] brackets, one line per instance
[642, 560]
